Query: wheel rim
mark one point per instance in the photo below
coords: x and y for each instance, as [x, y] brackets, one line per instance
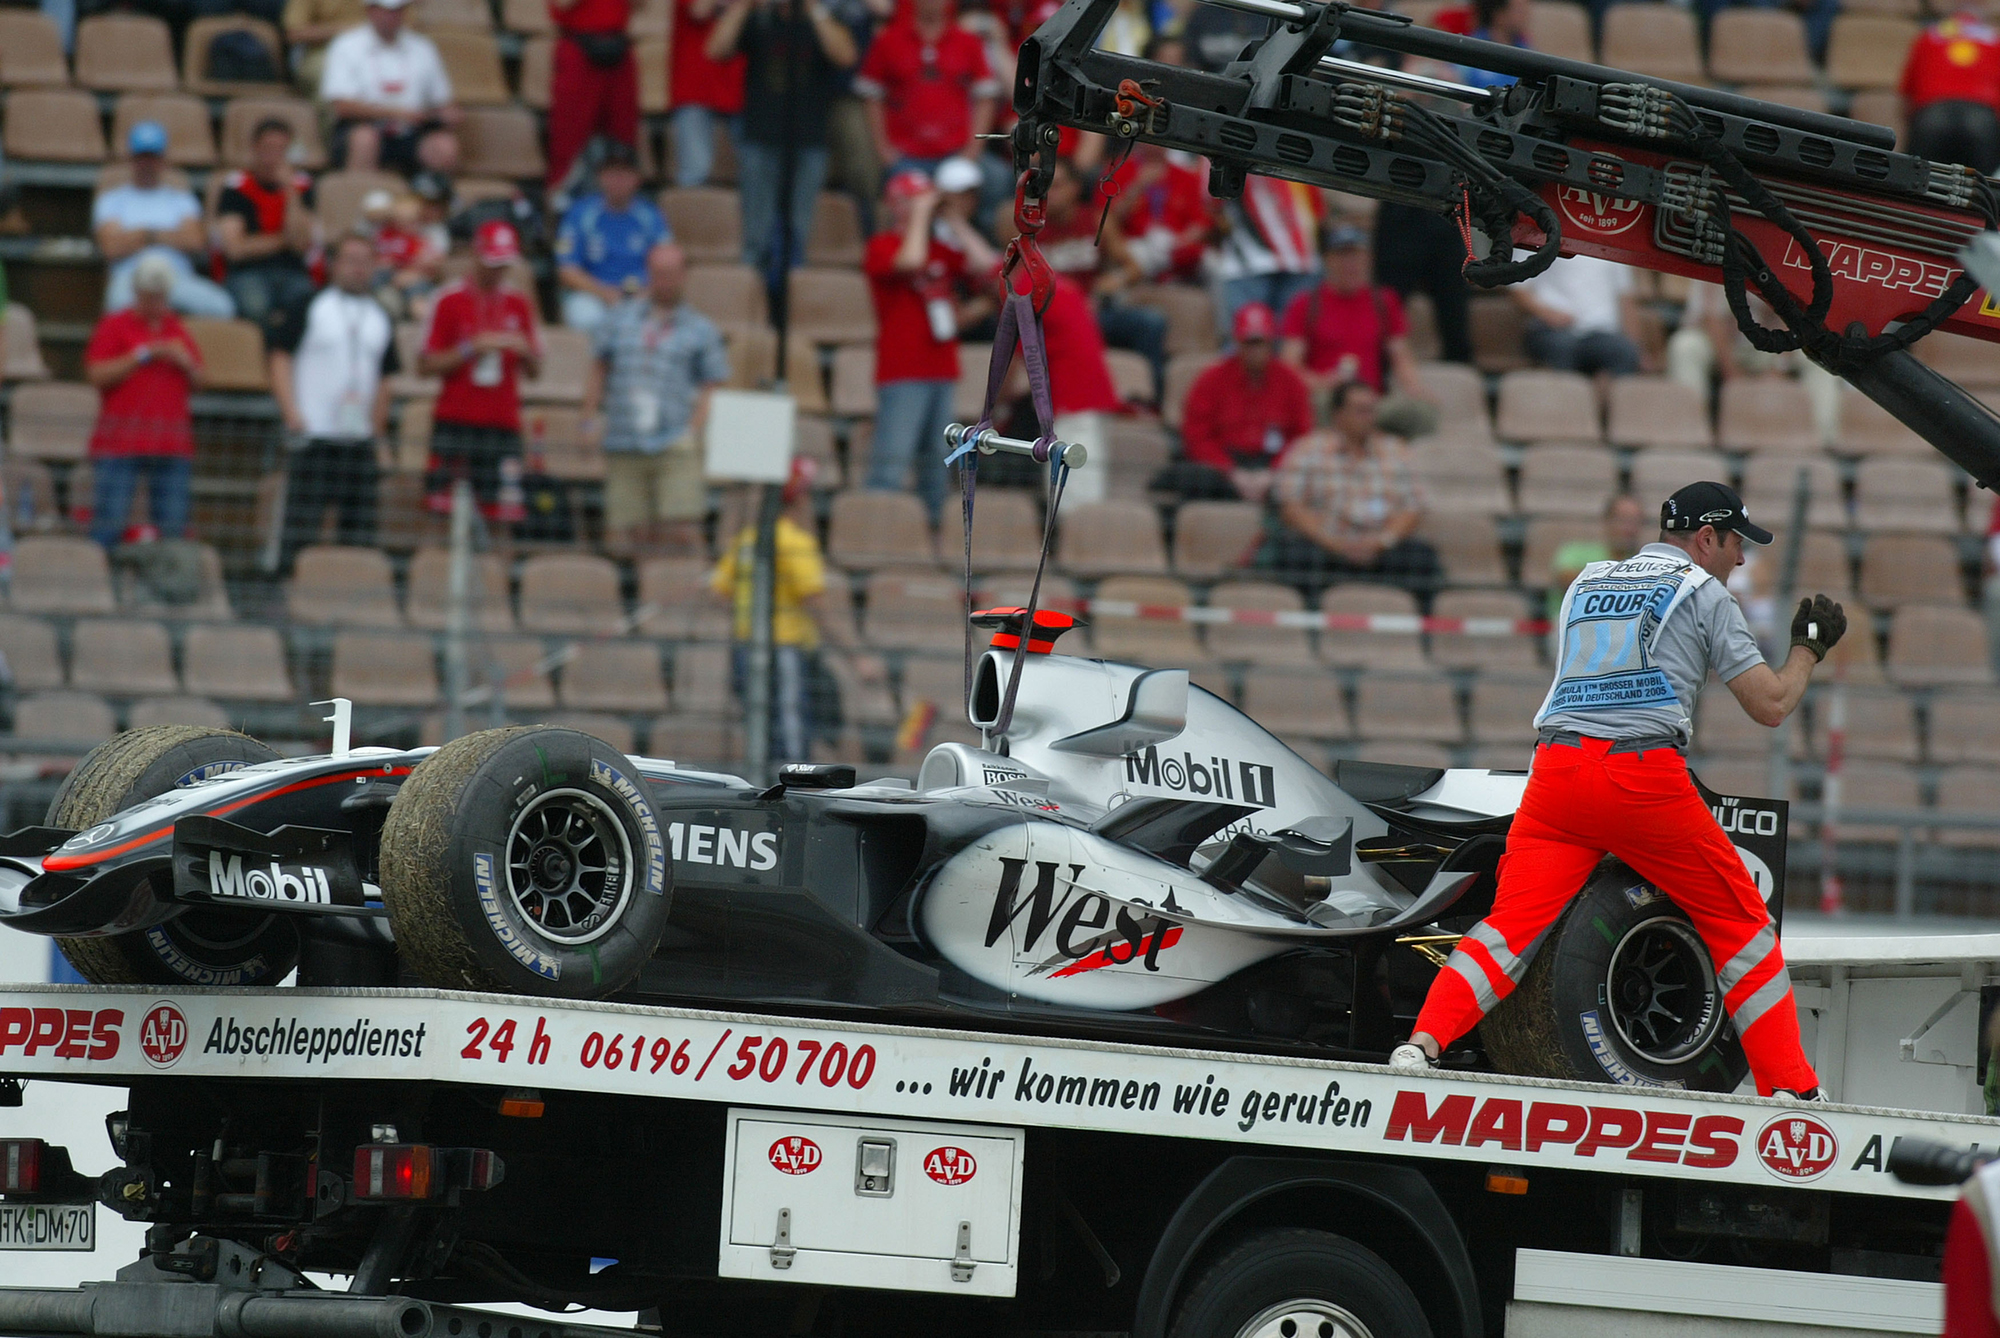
[569, 866]
[1661, 993]
[1305, 1317]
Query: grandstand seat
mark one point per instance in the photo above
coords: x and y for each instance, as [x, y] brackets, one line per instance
[1545, 537]
[1131, 376]
[1292, 703]
[472, 62]
[1869, 50]
[1759, 46]
[1182, 370]
[527, 17]
[1880, 106]
[82, 719]
[1931, 645]
[1103, 538]
[1503, 711]
[831, 306]
[1858, 658]
[879, 529]
[565, 367]
[434, 16]
[1911, 569]
[1968, 791]
[694, 743]
[853, 394]
[938, 681]
[1891, 785]
[1965, 727]
[1770, 485]
[23, 346]
[1506, 653]
[1390, 651]
[1745, 776]
[651, 18]
[805, 374]
[1499, 329]
[1468, 547]
[122, 657]
[236, 664]
[836, 238]
[429, 593]
[29, 645]
[232, 354]
[1214, 538]
[753, 356]
[1657, 475]
[1562, 29]
[202, 33]
[1563, 480]
[178, 711]
[1806, 97]
[1155, 642]
[338, 195]
[675, 601]
[601, 726]
[728, 294]
[51, 420]
[384, 669]
[1536, 405]
[571, 593]
[31, 50]
[1766, 413]
[1460, 392]
[124, 53]
[244, 114]
[1421, 708]
[514, 666]
[707, 222]
[1006, 532]
[1271, 646]
[1403, 753]
[1651, 39]
[1880, 724]
[1823, 566]
[62, 575]
[1011, 591]
[538, 73]
[1189, 310]
[1866, 428]
[1898, 493]
[554, 437]
[1968, 361]
[1460, 476]
[210, 603]
[863, 702]
[501, 142]
[337, 584]
[58, 125]
[190, 138]
[1658, 411]
[915, 608]
[614, 676]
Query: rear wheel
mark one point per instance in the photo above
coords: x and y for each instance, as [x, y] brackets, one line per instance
[528, 861]
[1295, 1283]
[1622, 991]
[198, 947]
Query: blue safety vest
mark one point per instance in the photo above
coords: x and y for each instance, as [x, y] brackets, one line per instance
[1610, 622]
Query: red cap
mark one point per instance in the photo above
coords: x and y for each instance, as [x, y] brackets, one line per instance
[907, 185]
[805, 472]
[496, 242]
[1255, 321]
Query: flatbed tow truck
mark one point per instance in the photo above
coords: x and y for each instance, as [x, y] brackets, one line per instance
[748, 1173]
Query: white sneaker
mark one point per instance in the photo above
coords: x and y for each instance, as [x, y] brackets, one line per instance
[1411, 1058]
[1817, 1096]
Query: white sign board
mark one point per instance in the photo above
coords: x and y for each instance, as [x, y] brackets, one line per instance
[750, 436]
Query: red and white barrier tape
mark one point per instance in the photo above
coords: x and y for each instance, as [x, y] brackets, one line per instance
[1307, 620]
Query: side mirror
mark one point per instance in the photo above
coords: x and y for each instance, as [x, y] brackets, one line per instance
[1155, 711]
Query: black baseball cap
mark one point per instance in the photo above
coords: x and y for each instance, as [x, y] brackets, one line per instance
[1716, 504]
[618, 155]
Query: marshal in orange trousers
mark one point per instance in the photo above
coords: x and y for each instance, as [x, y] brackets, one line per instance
[1583, 802]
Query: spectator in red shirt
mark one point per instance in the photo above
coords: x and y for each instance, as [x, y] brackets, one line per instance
[144, 366]
[914, 274]
[1102, 264]
[1240, 415]
[593, 82]
[705, 94]
[1164, 211]
[931, 92]
[1951, 93]
[481, 339]
[1348, 328]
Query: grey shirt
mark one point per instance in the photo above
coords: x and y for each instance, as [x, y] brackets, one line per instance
[1706, 632]
[657, 365]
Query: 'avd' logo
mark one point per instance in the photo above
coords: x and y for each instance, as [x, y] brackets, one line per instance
[950, 1165]
[1797, 1147]
[1597, 214]
[795, 1155]
[163, 1034]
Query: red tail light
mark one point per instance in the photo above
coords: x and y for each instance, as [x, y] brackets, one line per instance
[20, 1165]
[392, 1171]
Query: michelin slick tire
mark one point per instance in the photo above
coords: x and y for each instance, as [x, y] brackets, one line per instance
[1296, 1283]
[526, 861]
[1622, 991]
[198, 947]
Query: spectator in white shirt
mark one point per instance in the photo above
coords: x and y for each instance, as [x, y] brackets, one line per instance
[391, 99]
[149, 217]
[1583, 316]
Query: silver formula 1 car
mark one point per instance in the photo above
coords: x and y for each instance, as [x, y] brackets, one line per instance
[1139, 858]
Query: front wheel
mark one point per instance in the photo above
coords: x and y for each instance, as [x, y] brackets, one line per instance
[1296, 1283]
[1622, 991]
[527, 861]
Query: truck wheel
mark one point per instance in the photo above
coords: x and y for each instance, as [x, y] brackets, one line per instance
[1622, 991]
[527, 861]
[1295, 1283]
[198, 947]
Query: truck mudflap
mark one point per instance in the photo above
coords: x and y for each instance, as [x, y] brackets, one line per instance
[230, 1292]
